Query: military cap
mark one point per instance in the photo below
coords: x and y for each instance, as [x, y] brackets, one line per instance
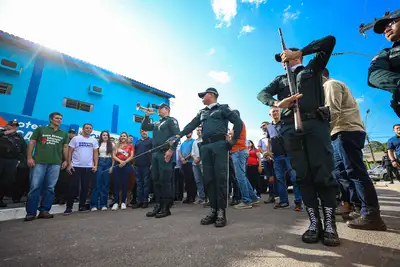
[13, 123]
[72, 131]
[380, 25]
[209, 90]
[162, 105]
[278, 56]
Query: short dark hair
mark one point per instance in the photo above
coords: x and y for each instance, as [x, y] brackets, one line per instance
[397, 124]
[130, 136]
[86, 124]
[325, 73]
[51, 116]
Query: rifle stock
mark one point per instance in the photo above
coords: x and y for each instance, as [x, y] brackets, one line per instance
[298, 124]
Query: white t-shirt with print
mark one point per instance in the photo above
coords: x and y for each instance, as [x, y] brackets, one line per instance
[82, 156]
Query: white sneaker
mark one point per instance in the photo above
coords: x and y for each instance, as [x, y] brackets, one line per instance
[94, 209]
[115, 206]
[123, 206]
[104, 208]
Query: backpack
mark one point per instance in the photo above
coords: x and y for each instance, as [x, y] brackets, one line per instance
[10, 146]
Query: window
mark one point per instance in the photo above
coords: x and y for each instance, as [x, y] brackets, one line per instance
[5, 88]
[71, 103]
[9, 63]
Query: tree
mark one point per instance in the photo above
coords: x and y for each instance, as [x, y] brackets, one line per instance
[376, 147]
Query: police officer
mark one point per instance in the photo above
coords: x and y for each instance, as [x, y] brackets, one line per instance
[384, 70]
[214, 119]
[161, 162]
[12, 150]
[311, 150]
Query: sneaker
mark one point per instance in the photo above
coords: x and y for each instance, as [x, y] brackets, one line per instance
[104, 208]
[269, 200]
[29, 218]
[83, 209]
[281, 205]
[256, 202]
[45, 215]
[94, 209]
[364, 223]
[123, 206]
[298, 207]
[68, 212]
[199, 201]
[242, 206]
[115, 206]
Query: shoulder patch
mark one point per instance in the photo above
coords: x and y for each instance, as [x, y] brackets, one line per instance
[174, 121]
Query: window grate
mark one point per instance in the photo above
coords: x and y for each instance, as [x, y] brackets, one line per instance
[79, 105]
[5, 88]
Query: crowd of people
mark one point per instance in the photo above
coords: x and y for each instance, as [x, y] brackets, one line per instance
[322, 159]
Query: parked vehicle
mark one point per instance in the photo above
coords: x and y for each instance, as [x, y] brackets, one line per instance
[379, 173]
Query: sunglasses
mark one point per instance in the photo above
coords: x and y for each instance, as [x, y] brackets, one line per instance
[390, 24]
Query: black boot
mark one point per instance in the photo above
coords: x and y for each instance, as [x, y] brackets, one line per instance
[155, 210]
[330, 237]
[314, 231]
[210, 218]
[221, 218]
[164, 211]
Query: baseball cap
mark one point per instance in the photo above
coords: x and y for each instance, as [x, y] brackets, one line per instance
[380, 25]
[162, 105]
[278, 56]
[13, 123]
[209, 90]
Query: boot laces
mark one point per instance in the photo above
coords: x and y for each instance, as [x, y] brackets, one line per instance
[328, 220]
[313, 219]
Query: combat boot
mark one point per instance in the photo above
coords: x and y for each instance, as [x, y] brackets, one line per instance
[314, 231]
[221, 218]
[210, 218]
[155, 210]
[164, 211]
[330, 236]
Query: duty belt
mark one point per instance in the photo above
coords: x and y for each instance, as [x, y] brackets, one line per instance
[213, 139]
[304, 117]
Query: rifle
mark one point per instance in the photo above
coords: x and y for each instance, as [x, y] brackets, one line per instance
[298, 124]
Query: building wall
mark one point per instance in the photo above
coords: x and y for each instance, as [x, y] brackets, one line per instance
[56, 80]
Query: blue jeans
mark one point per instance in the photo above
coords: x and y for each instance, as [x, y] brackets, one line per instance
[281, 165]
[269, 173]
[101, 184]
[142, 183]
[349, 145]
[43, 178]
[239, 159]
[121, 179]
[198, 176]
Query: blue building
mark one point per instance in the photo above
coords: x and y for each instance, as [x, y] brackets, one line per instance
[35, 81]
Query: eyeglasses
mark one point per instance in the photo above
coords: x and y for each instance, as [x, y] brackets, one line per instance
[390, 24]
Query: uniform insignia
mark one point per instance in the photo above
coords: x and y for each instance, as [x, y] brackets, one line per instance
[175, 122]
[375, 58]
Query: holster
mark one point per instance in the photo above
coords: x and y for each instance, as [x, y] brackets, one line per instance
[295, 142]
[323, 113]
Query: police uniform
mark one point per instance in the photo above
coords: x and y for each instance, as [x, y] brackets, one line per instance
[214, 153]
[161, 171]
[384, 70]
[310, 151]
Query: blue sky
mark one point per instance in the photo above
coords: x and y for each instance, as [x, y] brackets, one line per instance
[183, 47]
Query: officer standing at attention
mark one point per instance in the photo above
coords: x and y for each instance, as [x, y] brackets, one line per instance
[311, 151]
[214, 119]
[161, 163]
[384, 70]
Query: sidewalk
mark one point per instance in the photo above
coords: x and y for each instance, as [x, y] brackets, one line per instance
[386, 185]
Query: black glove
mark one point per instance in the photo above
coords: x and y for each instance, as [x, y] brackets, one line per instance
[396, 107]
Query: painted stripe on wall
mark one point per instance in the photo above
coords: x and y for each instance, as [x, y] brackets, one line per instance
[114, 119]
[33, 88]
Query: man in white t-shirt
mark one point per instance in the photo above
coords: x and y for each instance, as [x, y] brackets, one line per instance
[83, 156]
[198, 168]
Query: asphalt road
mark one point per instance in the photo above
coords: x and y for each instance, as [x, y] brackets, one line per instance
[261, 236]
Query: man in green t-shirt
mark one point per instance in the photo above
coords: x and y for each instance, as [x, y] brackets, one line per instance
[51, 153]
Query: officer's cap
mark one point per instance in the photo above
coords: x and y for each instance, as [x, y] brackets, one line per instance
[13, 123]
[209, 90]
[381, 24]
[162, 105]
[278, 56]
[72, 131]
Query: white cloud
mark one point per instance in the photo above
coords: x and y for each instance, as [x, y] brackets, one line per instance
[220, 76]
[360, 99]
[246, 29]
[211, 52]
[287, 16]
[287, 9]
[255, 2]
[225, 11]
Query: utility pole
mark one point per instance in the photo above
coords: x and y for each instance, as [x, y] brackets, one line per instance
[365, 27]
[366, 135]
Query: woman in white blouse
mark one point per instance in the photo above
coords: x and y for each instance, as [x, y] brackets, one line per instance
[104, 168]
